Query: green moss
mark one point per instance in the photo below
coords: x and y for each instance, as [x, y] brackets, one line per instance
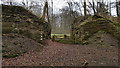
[85, 43]
[65, 41]
[6, 30]
[92, 26]
[4, 51]
[28, 34]
[11, 55]
[37, 37]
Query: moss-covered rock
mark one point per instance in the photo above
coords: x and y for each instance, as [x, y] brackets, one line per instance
[93, 25]
[21, 31]
[18, 20]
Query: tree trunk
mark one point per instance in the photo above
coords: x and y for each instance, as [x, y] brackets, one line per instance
[110, 7]
[49, 25]
[94, 6]
[85, 11]
[10, 3]
[97, 12]
[118, 8]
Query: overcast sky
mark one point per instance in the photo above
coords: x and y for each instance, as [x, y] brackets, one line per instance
[58, 4]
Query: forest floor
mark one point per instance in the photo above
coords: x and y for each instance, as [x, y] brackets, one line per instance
[59, 54]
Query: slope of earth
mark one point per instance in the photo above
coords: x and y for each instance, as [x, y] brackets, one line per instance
[103, 39]
[21, 31]
[13, 45]
[57, 54]
[18, 14]
[93, 24]
[16, 19]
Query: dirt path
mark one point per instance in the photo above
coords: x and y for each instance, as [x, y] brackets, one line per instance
[57, 54]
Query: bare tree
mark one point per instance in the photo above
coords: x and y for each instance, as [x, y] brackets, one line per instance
[78, 5]
[118, 8]
[9, 2]
[85, 10]
[52, 11]
[93, 6]
[110, 8]
[23, 2]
